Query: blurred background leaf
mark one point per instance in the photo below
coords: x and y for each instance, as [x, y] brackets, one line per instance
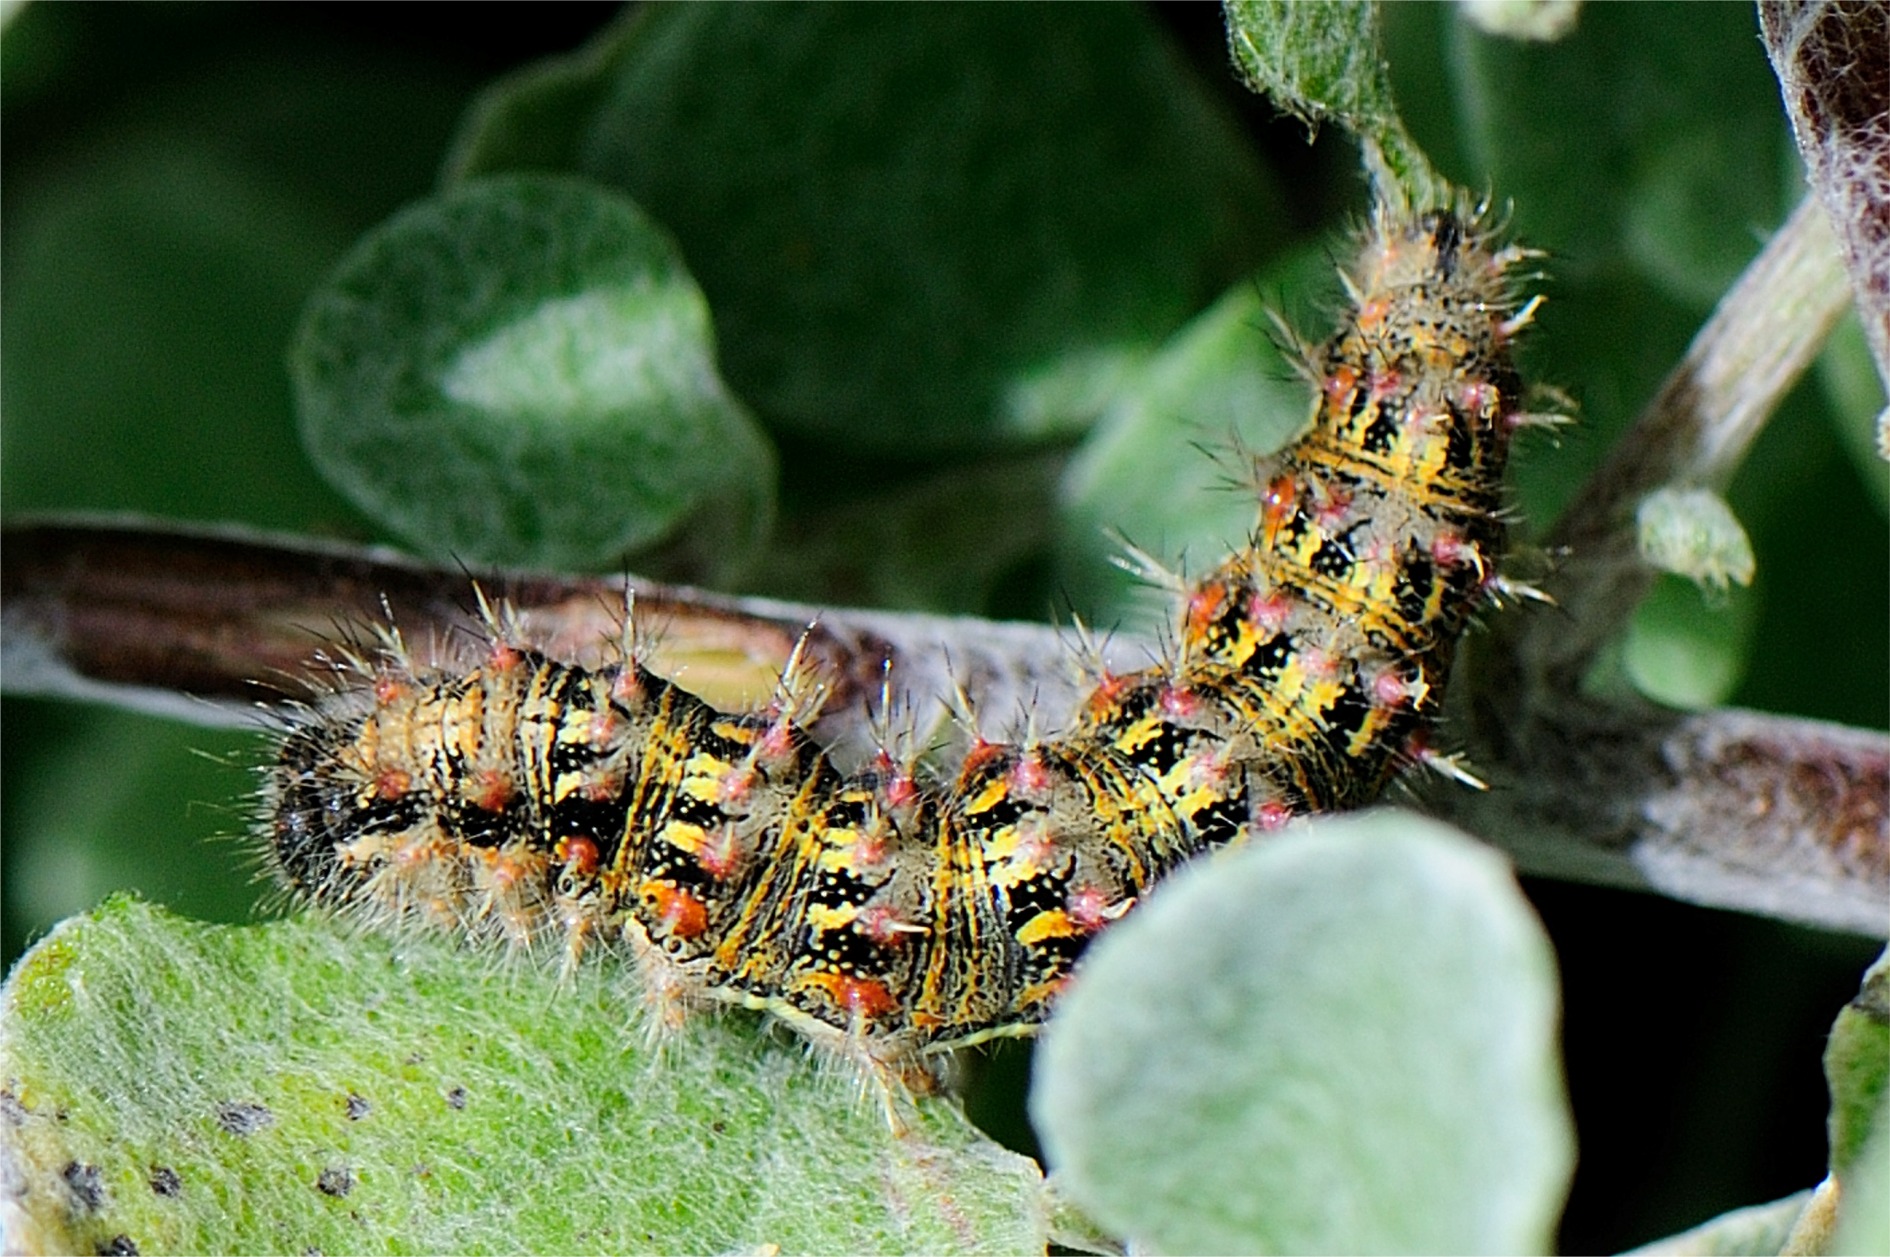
[923, 229]
[521, 372]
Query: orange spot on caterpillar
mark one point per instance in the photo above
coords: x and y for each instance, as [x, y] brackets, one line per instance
[491, 790]
[577, 853]
[506, 870]
[1204, 607]
[1107, 695]
[978, 755]
[1340, 384]
[863, 997]
[1277, 505]
[681, 913]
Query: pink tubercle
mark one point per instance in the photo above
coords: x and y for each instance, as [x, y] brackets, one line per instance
[1030, 775]
[1391, 689]
[1180, 702]
[1089, 909]
[1272, 816]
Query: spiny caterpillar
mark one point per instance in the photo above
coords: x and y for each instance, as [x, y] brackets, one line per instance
[891, 916]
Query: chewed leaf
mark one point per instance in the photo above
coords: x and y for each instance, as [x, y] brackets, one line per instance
[287, 1087]
[1338, 1040]
[522, 371]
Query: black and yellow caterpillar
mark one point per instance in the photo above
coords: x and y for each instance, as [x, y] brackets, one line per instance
[891, 915]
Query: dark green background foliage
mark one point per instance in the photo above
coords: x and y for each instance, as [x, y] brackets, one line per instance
[976, 280]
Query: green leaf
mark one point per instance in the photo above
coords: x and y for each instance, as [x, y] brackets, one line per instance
[1149, 472]
[534, 118]
[521, 371]
[1321, 59]
[1338, 1040]
[922, 228]
[290, 1088]
[1857, 1066]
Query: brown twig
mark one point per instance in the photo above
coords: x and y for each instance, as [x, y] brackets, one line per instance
[1832, 58]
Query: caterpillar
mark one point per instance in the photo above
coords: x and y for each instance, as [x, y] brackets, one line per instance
[891, 915]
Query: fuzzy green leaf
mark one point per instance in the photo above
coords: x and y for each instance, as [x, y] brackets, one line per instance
[1321, 59]
[922, 228]
[290, 1088]
[1337, 1040]
[521, 371]
[1688, 642]
[1693, 533]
